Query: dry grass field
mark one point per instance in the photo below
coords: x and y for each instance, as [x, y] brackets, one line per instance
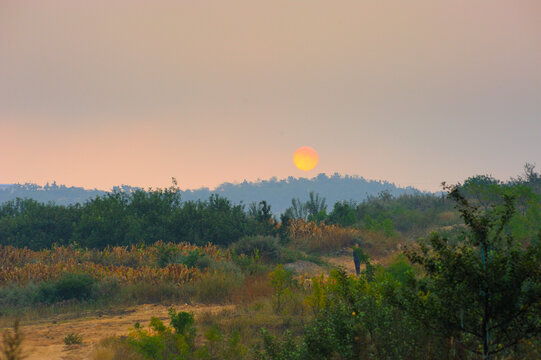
[44, 340]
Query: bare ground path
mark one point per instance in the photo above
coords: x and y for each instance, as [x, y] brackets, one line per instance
[344, 261]
[44, 341]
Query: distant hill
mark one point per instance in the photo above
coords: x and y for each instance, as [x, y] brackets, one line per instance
[278, 193]
[59, 194]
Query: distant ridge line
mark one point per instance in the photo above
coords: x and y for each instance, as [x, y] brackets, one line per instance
[278, 193]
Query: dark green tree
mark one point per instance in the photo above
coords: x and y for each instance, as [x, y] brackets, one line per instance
[343, 214]
[314, 209]
[26, 222]
[297, 210]
[261, 216]
[103, 221]
[483, 287]
[150, 215]
[222, 223]
[315, 204]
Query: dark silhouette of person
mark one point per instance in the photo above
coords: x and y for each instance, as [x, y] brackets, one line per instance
[357, 258]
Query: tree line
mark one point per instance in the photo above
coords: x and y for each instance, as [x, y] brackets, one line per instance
[135, 216]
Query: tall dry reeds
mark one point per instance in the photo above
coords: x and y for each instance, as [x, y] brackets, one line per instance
[321, 238]
[324, 238]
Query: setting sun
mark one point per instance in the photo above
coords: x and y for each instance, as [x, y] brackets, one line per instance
[305, 158]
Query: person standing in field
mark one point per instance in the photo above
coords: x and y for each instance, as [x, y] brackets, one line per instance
[357, 258]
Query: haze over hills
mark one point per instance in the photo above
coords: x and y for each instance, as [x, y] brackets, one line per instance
[278, 193]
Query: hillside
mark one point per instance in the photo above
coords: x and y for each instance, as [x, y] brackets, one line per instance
[278, 193]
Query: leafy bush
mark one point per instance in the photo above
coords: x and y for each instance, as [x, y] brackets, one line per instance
[183, 323]
[196, 258]
[264, 246]
[249, 264]
[13, 296]
[170, 254]
[69, 286]
[177, 341]
[220, 347]
[482, 278]
[386, 226]
[354, 319]
[166, 254]
[161, 342]
[281, 281]
[73, 339]
[289, 255]
[106, 289]
[274, 349]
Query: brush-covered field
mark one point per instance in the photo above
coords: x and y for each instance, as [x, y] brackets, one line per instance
[145, 275]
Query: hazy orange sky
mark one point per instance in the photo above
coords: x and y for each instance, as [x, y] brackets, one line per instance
[102, 93]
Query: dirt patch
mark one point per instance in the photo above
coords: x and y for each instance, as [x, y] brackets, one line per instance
[44, 341]
[343, 261]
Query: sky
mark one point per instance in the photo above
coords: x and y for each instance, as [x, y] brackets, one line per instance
[103, 93]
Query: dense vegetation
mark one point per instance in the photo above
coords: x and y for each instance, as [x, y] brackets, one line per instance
[116, 275]
[135, 217]
[468, 288]
[122, 218]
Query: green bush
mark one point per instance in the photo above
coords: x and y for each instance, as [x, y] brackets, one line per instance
[73, 339]
[167, 254]
[163, 342]
[105, 289]
[14, 296]
[250, 264]
[356, 319]
[289, 255]
[183, 323]
[68, 287]
[218, 346]
[177, 341]
[196, 258]
[265, 247]
[281, 281]
[275, 349]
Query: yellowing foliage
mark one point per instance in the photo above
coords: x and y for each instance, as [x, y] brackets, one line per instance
[125, 264]
[321, 237]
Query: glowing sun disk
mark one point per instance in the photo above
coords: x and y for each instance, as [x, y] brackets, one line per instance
[305, 158]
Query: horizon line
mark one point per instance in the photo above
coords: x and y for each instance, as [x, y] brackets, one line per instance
[236, 182]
